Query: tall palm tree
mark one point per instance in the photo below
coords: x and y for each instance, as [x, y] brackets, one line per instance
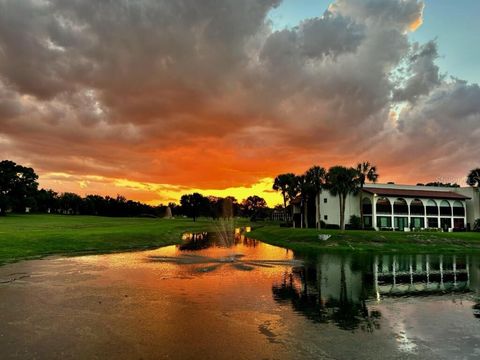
[284, 183]
[342, 181]
[316, 176]
[473, 178]
[365, 171]
[304, 188]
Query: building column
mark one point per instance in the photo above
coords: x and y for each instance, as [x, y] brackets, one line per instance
[439, 218]
[393, 215]
[409, 202]
[374, 212]
[425, 222]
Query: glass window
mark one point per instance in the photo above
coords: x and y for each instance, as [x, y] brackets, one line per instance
[400, 222]
[432, 222]
[325, 217]
[367, 220]
[417, 222]
[384, 221]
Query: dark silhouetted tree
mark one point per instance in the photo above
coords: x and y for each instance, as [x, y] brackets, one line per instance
[18, 186]
[285, 183]
[365, 171]
[316, 177]
[342, 181]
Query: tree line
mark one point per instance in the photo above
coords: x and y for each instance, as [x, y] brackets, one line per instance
[19, 192]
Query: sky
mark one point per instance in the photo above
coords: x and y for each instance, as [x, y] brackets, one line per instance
[153, 99]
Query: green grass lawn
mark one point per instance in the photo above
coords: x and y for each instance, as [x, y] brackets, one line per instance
[306, 240]
[30, 236]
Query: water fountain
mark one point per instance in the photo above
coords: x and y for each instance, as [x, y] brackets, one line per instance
[222, 243]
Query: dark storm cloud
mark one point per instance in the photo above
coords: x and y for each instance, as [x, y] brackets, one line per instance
[207, 94]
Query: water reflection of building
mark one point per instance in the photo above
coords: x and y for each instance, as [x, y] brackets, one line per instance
[343, 290]
[411, 275]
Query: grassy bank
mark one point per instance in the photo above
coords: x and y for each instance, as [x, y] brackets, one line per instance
[306, 240]
[30, 236]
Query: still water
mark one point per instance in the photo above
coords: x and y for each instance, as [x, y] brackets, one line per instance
[249, 300]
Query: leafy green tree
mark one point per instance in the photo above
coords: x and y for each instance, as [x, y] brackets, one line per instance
[342, 181]
[18, 186]
[285, 183]
[365, 171]
[316, 177]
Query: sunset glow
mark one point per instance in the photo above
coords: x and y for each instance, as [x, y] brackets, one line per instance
[155, 99]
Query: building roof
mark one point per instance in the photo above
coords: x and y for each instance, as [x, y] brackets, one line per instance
[433, 194]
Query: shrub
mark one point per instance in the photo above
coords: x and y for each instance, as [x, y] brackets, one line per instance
[331, 226]
[476, 225]
[355, 222]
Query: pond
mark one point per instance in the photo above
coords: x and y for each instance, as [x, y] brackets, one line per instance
[244, 299]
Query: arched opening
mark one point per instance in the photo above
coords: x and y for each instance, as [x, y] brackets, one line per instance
[416, 207]
[445, 209]
[400, 206]
[458, 209]
[432, 208]
[366, 206]
[383, 206]
[417, 211]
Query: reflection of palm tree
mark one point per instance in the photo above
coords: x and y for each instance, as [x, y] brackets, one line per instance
[344, 313]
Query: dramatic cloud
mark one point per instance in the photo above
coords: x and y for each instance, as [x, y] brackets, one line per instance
[186, 94]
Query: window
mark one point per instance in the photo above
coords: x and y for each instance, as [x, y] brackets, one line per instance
[367, 221]
[384, 221]
[401, 222]
[383, 206]
[325, 200]
[432, 209]
[325, 217]
[458, 209]
[417, 222]
[445, 208]
[432, 222]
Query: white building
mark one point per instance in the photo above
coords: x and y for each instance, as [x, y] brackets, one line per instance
[399, 207]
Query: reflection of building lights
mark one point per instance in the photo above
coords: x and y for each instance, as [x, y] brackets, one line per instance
[248, 229]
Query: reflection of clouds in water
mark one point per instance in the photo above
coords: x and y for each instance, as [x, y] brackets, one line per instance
[399, 317]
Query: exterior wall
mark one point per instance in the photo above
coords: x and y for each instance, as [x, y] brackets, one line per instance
[473, 205]
[352, 206]
[331, 208]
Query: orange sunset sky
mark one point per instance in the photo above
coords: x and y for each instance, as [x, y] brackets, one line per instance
[155, 99]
